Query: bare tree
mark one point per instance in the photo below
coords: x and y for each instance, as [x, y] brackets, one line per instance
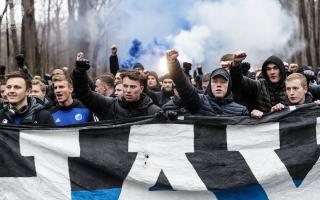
[14, 35]
[72, 29]
[29, 42]
[304, 18]
[1, 17]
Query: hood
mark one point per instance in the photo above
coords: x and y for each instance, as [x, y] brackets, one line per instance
[225, 74]
[277, 61]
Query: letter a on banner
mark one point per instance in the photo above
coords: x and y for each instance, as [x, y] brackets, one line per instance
[163, 147]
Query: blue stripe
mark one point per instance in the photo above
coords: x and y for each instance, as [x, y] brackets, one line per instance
[245, 193]
[255, 192]
[110, 194]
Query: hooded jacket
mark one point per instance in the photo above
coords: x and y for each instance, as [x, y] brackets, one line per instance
[34, 113]
[263, 93]
[205, 104]
[108, 108]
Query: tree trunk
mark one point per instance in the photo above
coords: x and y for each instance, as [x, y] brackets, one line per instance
[314, 33]
[72, 32]
[304, 18]
[1, 17]
[83, 30]
[14, 35]
[47, 46]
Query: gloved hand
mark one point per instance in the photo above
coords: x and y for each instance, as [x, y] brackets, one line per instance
[2, 69]
[172, 115]
[82, 65]
[309, 74]
[20, 60]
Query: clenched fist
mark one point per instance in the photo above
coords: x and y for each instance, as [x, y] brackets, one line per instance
[238, 57]
[172, 55]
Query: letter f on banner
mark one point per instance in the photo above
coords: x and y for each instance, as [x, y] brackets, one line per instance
[163, 147]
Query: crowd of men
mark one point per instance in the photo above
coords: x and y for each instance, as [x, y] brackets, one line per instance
[70, 96]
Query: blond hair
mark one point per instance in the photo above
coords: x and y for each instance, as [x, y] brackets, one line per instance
[298, 76]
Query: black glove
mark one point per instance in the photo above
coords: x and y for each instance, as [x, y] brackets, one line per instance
[2, 69]
[82, 65]
[172, 115]
[20, 60]
[309, 74]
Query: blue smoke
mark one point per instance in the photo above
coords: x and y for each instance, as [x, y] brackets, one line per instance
[156, 48]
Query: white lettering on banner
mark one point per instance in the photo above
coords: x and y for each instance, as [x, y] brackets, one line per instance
[51, 150]
[256, 144]
[163, 147]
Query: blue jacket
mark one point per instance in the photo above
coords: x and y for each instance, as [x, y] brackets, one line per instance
[76, 113]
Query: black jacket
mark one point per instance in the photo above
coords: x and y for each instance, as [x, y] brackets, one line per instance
[111, 108]
[262, 93]
[114, 64]
[174, 104]
[200, 104]
[34, 113]
[164, 97]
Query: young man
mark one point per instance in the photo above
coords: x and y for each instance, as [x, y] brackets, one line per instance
[153, 82]
[68, 111]
[134, 103]
[297, 92]
[22, 109]
[266, 92]
[166, 90]
[118, 89]
[217, 101]
[38, 90]
[105, 85]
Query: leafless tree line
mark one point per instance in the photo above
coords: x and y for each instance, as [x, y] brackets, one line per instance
[53, 40]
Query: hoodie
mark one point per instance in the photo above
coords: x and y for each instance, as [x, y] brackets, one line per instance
[208, 104]
[262, 93]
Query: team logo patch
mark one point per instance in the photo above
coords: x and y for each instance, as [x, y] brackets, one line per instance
[78, 117]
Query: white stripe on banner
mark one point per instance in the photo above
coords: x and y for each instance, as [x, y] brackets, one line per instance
[163, 147]
[51, 149]
[257, 143]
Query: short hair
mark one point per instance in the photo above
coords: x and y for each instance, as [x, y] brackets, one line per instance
[41, 84]
[37, 77]
[107, 79]
[298, 76]
[227, 57]
[18, 74]
[61, 78]
[134, 75]
[117, 83]
[206, 77]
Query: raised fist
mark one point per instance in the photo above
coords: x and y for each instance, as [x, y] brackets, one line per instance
[20, 60]
[82, 65]
[172, 55]
[238, 57]
[80, 55]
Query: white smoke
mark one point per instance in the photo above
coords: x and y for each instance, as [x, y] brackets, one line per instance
[261, 28]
